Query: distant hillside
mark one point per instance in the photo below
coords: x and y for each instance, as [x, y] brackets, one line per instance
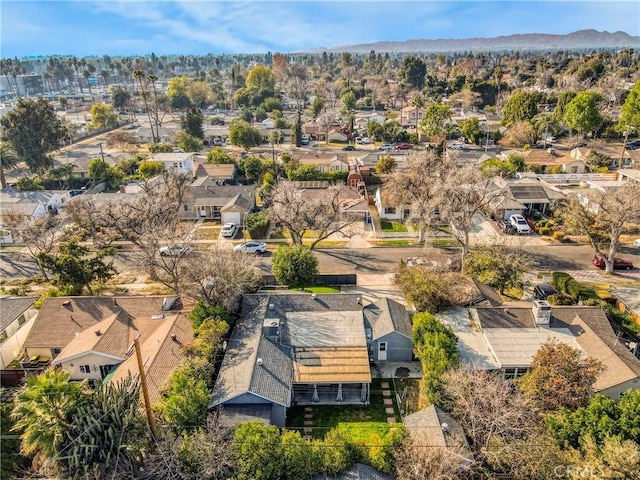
[583, 39]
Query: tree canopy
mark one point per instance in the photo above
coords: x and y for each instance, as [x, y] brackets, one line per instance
[242, 134]
[631, 109]
[582, 113]
[33, 130]
[295, 266]
[522, 105]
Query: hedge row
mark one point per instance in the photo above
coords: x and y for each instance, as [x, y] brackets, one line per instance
[565, 283]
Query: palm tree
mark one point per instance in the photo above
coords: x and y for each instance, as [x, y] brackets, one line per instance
[140, 76]
[44, 411]
[417, 101]
[8, 161]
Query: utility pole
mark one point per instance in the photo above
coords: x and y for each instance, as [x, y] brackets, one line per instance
[143, 384]
[624, 145]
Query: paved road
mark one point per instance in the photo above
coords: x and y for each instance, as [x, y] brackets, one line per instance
[370, 260]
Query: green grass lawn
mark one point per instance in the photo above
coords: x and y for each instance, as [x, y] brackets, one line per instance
[392, 226]
[395, 243]
[361, 420]
[317, 289]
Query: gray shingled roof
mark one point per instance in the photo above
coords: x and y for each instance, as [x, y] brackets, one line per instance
[561, 317]
[12, 307]
[240, 373]
[387, 316]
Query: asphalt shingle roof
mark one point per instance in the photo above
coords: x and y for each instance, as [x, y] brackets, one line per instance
[12, 307]
[387, 316]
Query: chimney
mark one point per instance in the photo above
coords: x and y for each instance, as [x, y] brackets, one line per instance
[541, 312]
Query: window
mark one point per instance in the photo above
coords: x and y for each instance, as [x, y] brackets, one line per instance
[55, 352]
[85, 369]
[382, 347]
[406, 213]
[390, 210]
[186, 208]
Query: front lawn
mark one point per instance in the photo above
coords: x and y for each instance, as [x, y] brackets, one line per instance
[392, 226]
[319, 289]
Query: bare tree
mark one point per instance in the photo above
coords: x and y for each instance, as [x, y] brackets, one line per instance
[298, 211]
[416, 461]
[218, 276]
[203, 454]
[327, 118]
[465, 194]
[603, 217]
[419, 186]
[90, 218]
[497, 421]
[38, 234]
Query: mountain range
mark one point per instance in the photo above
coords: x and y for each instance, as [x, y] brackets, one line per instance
[582, 39]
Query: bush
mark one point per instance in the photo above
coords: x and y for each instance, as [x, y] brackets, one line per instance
[558, 236]
[258, 224]
[544, 230]
[560, 299]
[542, 223]
[202, 311]
[294, 266]
[559, 281]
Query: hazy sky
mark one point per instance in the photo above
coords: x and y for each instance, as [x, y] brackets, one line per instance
[130, 27]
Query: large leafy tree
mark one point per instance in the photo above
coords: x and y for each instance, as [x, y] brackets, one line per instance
[413, 72]
[522, 105]
[295, 266]
[103, 116]
[177, 92]
[560, 376]
[244, 135]
[631, 109]
[498, 265]
[435, 120]
[582, 113]
[33, 130]
[192, 122]
[261, 78]
[72, 268]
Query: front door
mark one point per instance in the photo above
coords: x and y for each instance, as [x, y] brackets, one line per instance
[382, 351]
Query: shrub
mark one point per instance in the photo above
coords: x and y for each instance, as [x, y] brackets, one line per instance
[558, 236]
[559, 280]
[542, 223]
[560, 299]
[202, 311]
[258, 224]
[544, 230]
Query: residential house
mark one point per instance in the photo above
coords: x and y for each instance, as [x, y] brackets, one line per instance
[300, 349]
[505, 338]
[362, 119]
[213, 199]
[32, 204]
[337, 136]
[268, 123]
[628, 301]
[165, 134]
[90, 336]
[180, 162]
[408, 116]
[324, 162]
[316, 132]
[629, 175]
[392, 326]
[522, 196]
[223, 172]
[569, 164]
[16, 320]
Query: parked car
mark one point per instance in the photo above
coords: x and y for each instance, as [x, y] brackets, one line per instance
[543, 290]
[386, 146]
[505, 227]
[550, 139]
[520, 224]
[257, 248]
[404, 146]
[175, 250]
[456, 146]
[349, 148]
[366, 141]
[229, 230]
[635, 145]
[636, 242]
[618, 263]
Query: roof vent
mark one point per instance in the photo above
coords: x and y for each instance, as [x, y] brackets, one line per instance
[313, 296]
[98, 332]
[445, 427]
[115, 301]
[174, 337]
[541, 312]
[66, 303]
[259, 362]
[271, 306]
[360, 301]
